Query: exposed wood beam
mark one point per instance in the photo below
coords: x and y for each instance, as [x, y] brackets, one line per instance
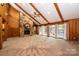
[39, 12]
[59, 12]
[27, 13]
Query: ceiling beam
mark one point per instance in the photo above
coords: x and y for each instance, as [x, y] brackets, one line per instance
[39, 12]
[27, 13]
[58, 11]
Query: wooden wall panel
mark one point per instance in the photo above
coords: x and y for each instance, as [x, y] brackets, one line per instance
[73, 29]
[3, 17]
[13, 23]
[77, 33]
[0, 33]
[4, 36]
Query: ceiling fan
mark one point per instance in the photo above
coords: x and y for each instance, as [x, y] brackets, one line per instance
[36, 14]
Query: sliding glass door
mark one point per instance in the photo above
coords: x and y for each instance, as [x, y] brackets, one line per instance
[61, 31]
[52, 30]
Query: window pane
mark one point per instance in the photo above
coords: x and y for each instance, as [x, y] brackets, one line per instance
[52, 30]
[61, 31]
[56, 31]
[42, 30]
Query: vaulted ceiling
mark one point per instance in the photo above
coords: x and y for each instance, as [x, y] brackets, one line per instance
[48, 12]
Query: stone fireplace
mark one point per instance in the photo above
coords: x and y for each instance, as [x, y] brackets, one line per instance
[26, 25]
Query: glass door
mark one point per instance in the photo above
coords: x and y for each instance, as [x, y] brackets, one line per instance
[43, 30]
[61, 31]
[52, 30]
[55, 31]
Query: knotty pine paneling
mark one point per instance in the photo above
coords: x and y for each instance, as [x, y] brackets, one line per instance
[77, 33]
[0, 32]
[13, 23]
[3, 16]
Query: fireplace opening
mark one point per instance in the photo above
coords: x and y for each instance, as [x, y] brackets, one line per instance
[26, 29]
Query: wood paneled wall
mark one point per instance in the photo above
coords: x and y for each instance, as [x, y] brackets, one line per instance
[77, 22]
[3, 17]
[9, 17]
[13, 23]
[73, 29]
[0, 32]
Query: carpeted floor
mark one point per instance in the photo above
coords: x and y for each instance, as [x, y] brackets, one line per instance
[37, 45]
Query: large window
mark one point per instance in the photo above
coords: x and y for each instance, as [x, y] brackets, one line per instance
[56, 31]
[43, 30]
[52, 30]
[61, 31]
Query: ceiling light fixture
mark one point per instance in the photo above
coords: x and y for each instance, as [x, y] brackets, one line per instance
[36, 14]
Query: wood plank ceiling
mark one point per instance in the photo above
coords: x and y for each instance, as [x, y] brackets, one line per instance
[48, 13]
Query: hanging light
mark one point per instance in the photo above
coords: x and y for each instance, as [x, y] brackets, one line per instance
[36, 14]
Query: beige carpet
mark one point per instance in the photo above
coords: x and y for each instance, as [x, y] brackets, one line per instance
[38, 46]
